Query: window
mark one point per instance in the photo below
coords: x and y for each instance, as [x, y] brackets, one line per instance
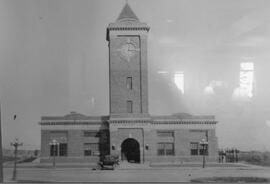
[63, 149]
[194, 148]
[129, 82]
[161, 149]
[165, 133]
[91, 149]
[197, 149]
[54, 150]
[91, 134]
[58, 150]
[165, 149]
[202, 150]
[129, 106]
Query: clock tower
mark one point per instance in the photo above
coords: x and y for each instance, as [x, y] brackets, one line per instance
[127, 39]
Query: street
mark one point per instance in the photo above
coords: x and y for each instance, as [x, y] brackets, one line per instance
[162, 174]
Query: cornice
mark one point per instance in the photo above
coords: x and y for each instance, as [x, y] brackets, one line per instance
[184, 122]
[70, 123]
[128, 25]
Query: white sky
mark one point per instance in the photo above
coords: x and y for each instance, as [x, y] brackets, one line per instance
[54, 59]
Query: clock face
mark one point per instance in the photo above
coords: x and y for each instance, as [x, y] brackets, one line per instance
[128, 50]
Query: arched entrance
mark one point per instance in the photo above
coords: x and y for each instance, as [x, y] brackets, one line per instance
[130, 150]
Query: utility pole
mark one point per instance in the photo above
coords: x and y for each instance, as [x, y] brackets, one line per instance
[16, 144]
[1, 150]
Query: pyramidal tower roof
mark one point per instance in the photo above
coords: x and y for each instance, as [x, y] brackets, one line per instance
[127, 20]
[127, 14]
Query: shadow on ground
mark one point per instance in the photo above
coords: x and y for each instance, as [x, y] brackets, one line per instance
[32, 181]
[231, 180]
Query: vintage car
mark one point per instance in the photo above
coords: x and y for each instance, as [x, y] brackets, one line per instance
[109, 162]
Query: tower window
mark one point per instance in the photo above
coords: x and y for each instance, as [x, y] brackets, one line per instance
[129, 106]
[129, 82]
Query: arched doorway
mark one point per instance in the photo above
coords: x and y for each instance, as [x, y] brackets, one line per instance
[130, 150]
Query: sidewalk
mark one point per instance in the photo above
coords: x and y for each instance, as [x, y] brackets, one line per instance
[130, 166]
[196, 164]
[50, 165]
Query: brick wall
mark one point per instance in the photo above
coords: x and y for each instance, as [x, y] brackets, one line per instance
[120, 69]
[181, 140]
[75, 142]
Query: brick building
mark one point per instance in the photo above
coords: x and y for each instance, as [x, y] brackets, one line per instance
[129, 130]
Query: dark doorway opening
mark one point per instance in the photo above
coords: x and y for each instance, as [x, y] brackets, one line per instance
[130, 150]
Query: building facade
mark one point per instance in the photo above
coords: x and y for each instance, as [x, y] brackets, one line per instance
[129, 131]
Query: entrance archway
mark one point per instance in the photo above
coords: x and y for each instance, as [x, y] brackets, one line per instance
[130, 150]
